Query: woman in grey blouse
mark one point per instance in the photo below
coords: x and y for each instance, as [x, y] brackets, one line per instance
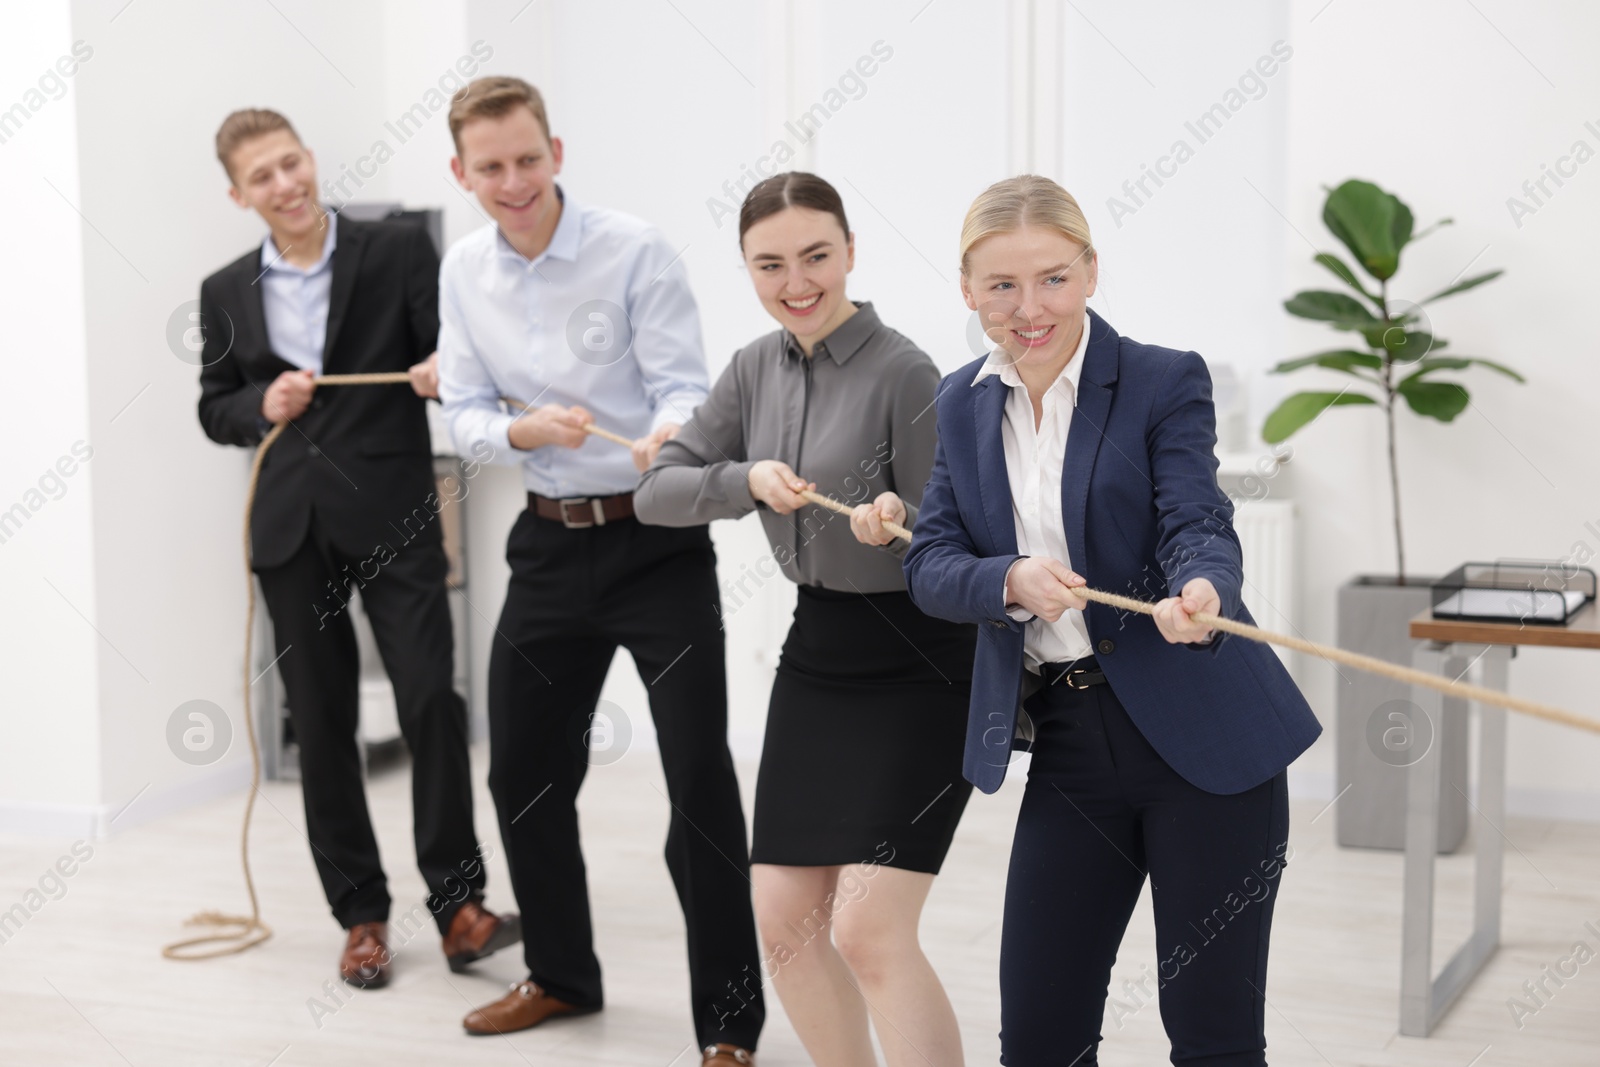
[860, 786]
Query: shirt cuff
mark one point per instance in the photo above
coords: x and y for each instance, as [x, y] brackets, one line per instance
[896, 547]
[663, 416]
[736, 485]
[498, 433]
[1017, 613]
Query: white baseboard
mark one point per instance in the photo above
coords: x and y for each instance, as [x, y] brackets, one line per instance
[1522, 801]
[98, 821]
[1576, 805]
[95, 821]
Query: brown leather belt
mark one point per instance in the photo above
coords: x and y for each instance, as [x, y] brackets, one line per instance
[580, 512]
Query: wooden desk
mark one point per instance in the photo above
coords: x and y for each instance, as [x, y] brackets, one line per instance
[1443, 643]
[1582, 632]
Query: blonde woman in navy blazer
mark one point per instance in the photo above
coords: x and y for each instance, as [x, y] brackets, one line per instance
[1158, 747]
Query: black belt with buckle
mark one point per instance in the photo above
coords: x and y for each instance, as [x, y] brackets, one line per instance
[580, 512]
[1074, 674]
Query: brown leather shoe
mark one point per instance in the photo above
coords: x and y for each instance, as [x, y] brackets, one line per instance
[365, 962]
[724, 1055]
[525, 1006]
[475, 931]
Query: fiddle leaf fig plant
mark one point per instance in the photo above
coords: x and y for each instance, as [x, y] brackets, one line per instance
[1392, 351]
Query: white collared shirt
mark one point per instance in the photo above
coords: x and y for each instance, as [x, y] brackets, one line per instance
[603, 318]
[295, 300]
[1034, 459]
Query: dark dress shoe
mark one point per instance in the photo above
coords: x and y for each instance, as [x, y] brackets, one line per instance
[475, 931]
[365, 962]
[524, 1007]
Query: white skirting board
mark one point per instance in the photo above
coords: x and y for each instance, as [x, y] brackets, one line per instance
[98, 821]
[1531, 802]
[94, 821]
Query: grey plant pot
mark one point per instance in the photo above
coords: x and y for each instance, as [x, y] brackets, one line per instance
[1380, 730]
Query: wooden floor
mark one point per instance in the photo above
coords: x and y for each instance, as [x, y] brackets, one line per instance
[83, 981]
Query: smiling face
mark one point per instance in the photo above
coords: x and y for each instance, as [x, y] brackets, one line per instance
[276, 176]
[1030, 288]
[510, 164]
[798, 259]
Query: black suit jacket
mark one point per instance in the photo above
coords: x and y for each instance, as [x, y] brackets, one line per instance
[359, 457]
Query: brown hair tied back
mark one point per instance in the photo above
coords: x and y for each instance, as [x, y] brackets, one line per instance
[792, 188]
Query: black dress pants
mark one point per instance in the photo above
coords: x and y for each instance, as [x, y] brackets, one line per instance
[405, 601]
[575, 596]
[1100, 812]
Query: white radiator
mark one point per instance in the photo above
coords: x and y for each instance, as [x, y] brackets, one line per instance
[1267, 535]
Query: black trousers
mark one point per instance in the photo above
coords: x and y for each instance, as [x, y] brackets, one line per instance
[575, 596]
[405, 600]
[1100, 812]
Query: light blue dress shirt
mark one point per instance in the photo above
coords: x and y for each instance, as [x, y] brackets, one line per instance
[295, 301]
[602, 318]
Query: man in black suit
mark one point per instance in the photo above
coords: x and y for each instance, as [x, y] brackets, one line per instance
[347, 498]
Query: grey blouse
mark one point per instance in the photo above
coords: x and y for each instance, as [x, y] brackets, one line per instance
[856, 418]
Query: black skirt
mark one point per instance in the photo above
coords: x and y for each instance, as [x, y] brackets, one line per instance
[865, 730]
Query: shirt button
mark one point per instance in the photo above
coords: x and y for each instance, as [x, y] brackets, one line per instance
[1106, 646]
[314, 451]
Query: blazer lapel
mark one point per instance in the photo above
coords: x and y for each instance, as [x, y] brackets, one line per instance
[1087, 431]
[994, 487]
[252, 300]
[250, 338]
[346, 263]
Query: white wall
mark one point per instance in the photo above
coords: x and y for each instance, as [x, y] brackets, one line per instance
[49, 764]
[688, 100]
[146, 542]
[1453, 109]
[1429, 99]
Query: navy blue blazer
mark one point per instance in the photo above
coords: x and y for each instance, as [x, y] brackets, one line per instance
[1143, 515]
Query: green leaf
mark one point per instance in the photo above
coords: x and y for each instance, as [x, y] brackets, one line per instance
[1298, 410]
[1420, 234]
[1403, 345]
[1344, 273]
[1461, 287]
[1410, 346]
[1400, 231]
[1343, 359]
[1374, 225]
[1341, 309]
[1433, 363]
[1437, 400]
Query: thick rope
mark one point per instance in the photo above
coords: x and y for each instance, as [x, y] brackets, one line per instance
[1370, 664]
[249, 931]
[1328, 652]
[845, 509]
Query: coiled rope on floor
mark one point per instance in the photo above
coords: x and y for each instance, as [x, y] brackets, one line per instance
[251, 931]
[247, 931]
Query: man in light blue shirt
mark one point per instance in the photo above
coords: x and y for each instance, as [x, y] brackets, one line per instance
[584, 315]
[612, 333]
